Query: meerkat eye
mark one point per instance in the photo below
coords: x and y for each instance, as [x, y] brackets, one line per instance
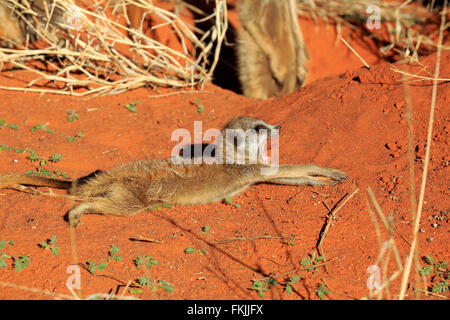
[259, 127]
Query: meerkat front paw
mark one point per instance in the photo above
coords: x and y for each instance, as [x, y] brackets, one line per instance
[330, 176]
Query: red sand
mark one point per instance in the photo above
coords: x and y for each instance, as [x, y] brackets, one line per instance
[347, 117]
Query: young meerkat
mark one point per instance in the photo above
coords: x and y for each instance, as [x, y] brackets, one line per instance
[18, 26]
[270, 48]
[136, 186]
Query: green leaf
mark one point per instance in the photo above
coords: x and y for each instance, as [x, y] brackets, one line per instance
[13, 126]
[5, 147]
[144, 281]
[33, 157]
[426, 271]
[21, 263]
[190, 250]
[295, 278]
[37, 127]
[132, 107]
[134, 291]
[440, 287]
[200, 107]
[228, 200]
[102, 266]
[56, 157]
[166, 286]
[113, 254]
[288, 288]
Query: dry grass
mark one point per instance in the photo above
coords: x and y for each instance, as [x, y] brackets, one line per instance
[101, 55]
[416, 208]
[400, 19]
[418, 214]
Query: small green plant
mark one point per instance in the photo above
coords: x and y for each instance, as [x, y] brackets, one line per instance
[78, 136]
[51, 245]
[205, 230]
[134, 291]
[42, 162]
[167, 287]
[190, 250]
[33, 156]
[5, 147]
[260, 287]
[229, 200]
[147, 261]
[55, 158]
[42, 126]
[4, 256]
[58, 173]
[292, 280]
[311, 262]
[72, 115]
[160, 206]
[147, 282]
[322, 290]
[132, 107]
[92, 267]
[440, 287]
[438, 270]
[3, 124]
[21, 262]
[200, 107]
[144, 281]
[113, 254]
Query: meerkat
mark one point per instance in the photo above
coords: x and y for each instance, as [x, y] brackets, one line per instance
[134, 187]
[135, 13]
[19, 26]
[271, 52]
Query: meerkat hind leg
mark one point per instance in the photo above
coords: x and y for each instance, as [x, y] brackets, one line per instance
[103, 206]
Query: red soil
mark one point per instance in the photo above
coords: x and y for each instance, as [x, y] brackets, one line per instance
[347, 117]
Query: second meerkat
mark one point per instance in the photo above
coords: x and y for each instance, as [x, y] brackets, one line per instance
[271, 51]
[19, 23]
[136, 186]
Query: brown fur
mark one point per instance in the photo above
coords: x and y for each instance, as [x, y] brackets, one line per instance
[271, 50]
[18, 28]
[136, 186]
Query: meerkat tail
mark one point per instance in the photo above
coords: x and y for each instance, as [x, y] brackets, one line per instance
[22, 179]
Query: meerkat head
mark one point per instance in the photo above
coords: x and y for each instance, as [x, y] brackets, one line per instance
[244, 138]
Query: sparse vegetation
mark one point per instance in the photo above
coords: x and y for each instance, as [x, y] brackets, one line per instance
[322, 290]
[92, 267]
[21, 262]
[78, 136]
[146, 261]
[4, 256]
[72, 115]
[114, 254]
[200, 107]
[50, 244]
[311, 262]
[4, 124]
[439, 272]
[42, 126]
[132, 107]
